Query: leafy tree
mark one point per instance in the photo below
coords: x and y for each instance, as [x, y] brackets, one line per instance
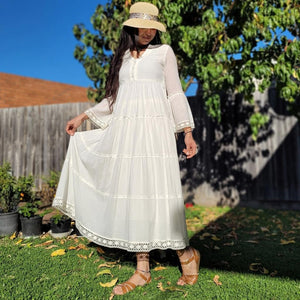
[222, 44]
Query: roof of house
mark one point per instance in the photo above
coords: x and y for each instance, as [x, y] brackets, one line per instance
[18, 90]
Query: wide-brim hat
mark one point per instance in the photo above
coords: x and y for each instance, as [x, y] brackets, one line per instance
[144, 15]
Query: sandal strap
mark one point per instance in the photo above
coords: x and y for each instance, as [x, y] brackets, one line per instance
[138, 272]
[189, 260]
[127, 286]
[190, 279]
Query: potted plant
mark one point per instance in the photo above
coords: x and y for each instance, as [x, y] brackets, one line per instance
[60, 225]
[31, 220]
[9, 200]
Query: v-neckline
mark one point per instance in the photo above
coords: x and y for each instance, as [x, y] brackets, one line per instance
[141, 56]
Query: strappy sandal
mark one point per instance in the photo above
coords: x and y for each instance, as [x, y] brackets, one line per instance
[128, 286]
[191, 278]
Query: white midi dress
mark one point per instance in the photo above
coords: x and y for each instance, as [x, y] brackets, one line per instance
[121, 182]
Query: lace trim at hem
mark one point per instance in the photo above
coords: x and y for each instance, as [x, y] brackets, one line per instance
[68, 210]
[130, 246]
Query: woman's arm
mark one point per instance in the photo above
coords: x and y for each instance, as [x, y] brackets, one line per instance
[191, 147]
[73, 124]
[181, 111]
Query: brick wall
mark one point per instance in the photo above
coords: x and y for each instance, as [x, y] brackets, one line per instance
[18, 90]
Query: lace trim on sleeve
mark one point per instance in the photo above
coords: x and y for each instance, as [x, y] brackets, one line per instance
[179, 127]
[95, 120]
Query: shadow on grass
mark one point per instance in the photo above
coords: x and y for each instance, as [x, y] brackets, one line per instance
[244, 240]
[263, 242]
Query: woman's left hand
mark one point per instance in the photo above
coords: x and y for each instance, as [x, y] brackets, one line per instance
[191, 147]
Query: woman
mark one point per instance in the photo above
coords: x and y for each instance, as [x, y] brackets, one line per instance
[121, 183]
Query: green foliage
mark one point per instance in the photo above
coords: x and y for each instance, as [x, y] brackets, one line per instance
[223, 44]
[52, 179]
[59, 217]
[13, 190]
[29, 209]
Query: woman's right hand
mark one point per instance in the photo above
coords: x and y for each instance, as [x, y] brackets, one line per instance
[73, 124]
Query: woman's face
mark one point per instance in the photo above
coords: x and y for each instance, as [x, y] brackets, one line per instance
[146, 35]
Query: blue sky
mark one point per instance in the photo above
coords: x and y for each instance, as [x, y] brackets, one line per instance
[37, 40]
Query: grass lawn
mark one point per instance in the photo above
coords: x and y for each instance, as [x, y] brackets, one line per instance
[255, 253]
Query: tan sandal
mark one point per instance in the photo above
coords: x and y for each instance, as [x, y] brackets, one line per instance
[128, 286]
[191, 278]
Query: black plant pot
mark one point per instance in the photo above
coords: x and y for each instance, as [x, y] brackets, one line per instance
[9, 223]
[61, 226]
[31, 226]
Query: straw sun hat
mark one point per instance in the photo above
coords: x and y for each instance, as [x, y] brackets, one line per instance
[144, 15]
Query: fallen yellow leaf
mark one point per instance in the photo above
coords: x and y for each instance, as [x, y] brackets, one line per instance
[13, 236]
[105, 265]
[90, 255]
[111, 296]
[159, 277]
[58, 252]
[72, 248]
[253, 232]
[160, 286]
[104, 272]
[44, 244]
[51, 247]
[82, 246]
[82, 256]
[264, 229]
[18, 242]
[109, 284]
[254, 266]
[159, 268]
[285, 242]
[252, 242]
[264, 270]
[100, 250]
[215, 238]
[216, 280]
[229, 244]
[274, 273]
[204, 235]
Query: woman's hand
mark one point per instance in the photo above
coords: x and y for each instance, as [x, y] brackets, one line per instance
[191, 147]
[73, 124]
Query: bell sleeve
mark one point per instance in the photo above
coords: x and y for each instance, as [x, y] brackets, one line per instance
[180, 108]
[100, 114]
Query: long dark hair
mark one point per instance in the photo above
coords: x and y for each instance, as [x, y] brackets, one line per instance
[127, 41]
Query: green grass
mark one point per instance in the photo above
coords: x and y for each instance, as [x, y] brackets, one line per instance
[230, 241]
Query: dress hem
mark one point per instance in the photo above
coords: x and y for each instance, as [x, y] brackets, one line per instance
[124, 245]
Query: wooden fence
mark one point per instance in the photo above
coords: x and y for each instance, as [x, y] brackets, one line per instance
[230, 168]
[33, 138]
